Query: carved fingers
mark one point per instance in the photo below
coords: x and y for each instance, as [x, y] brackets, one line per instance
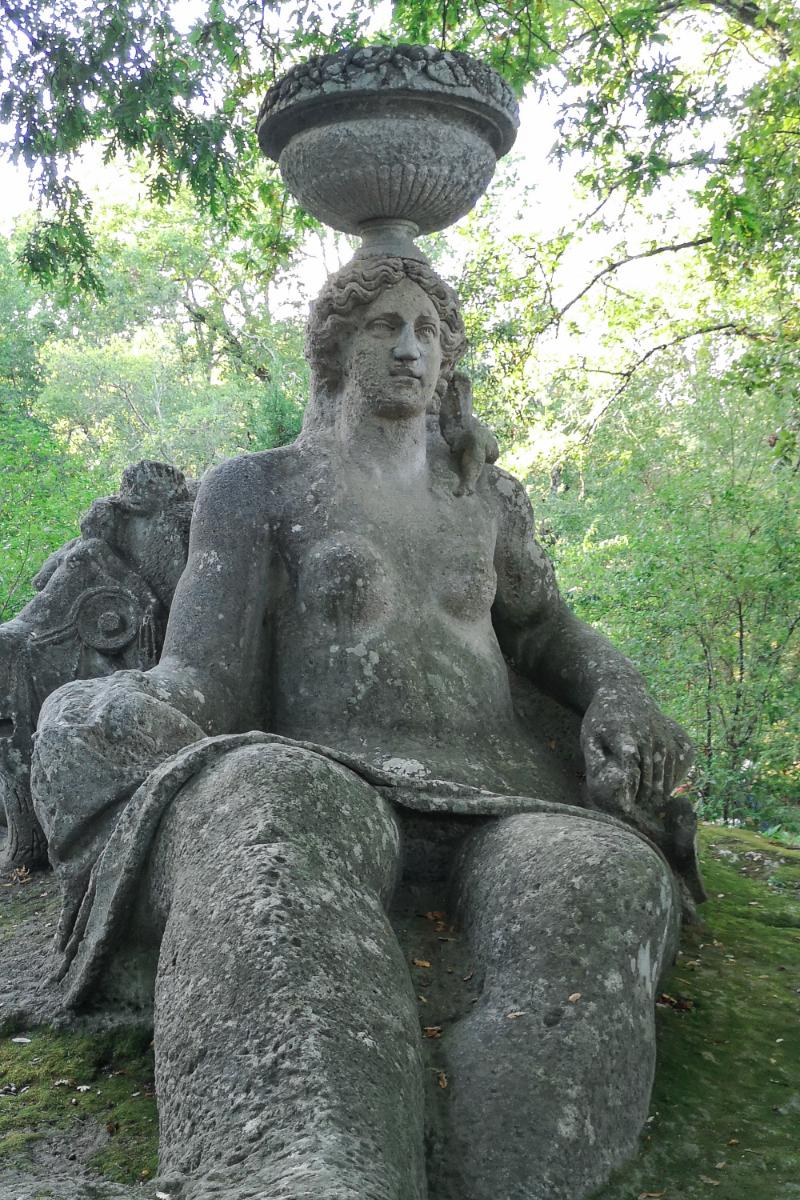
[634, 755]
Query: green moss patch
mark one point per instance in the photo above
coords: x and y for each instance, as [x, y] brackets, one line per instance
[95, 1088]
[725, 1113]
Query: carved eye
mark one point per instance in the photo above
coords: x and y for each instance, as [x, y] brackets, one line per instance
[379, 325]
[427, 332]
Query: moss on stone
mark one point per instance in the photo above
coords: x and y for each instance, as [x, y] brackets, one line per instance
[97, 1086]
[28, 899]
[726, 1103]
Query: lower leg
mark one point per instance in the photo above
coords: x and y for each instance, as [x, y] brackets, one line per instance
[570, 925]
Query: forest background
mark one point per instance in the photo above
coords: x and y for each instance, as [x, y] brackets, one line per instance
[630, 287]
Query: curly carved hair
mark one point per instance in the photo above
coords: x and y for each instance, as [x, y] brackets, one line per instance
[356, 286]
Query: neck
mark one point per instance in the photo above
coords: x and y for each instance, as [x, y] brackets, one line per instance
[384, 446]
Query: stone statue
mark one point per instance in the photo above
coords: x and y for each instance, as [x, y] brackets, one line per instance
[330, 737]
[471, 442]
[102, 604]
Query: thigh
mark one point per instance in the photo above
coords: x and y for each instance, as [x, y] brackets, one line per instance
[275, 803]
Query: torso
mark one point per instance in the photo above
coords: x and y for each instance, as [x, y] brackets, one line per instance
[381, 638]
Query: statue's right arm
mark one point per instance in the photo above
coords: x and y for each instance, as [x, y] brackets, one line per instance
[213, 658]
[98, 739]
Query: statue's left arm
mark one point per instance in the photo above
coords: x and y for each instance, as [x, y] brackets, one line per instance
[630, 747]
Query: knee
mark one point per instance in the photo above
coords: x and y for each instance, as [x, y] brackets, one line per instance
[570, 854]
[586, 873]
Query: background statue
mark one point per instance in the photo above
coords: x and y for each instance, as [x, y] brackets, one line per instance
[102, 605]
[332, 730]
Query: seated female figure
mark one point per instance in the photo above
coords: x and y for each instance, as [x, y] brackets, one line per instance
[350, 608]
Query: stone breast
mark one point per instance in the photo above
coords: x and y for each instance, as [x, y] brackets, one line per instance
[345, 580]
[467, 586]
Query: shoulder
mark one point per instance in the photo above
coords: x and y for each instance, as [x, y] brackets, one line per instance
[248, 487]
[509, 500]
[526, 583]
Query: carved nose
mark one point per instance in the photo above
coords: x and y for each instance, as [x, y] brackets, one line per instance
[407, 347]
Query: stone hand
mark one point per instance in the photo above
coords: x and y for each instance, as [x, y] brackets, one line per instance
[634, 754]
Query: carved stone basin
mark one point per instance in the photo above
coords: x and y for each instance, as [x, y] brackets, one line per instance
[403, 133]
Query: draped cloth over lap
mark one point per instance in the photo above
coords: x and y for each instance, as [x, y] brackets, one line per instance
[97, 900]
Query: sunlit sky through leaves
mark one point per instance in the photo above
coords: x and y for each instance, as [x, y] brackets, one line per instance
[533, 194]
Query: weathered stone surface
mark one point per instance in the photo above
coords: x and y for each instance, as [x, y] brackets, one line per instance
[387, 132]
[471, 442]
[351, 695]
[102, 605]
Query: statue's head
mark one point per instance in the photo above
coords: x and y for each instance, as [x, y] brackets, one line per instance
[147, 523]
[346, 298]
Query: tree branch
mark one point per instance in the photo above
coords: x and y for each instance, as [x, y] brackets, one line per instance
[610, 268]
[730, 328]
[749, 14]
[234, 345]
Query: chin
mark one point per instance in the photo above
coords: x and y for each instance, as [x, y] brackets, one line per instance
[408, 402]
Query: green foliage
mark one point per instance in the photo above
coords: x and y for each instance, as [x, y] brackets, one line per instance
[636, 110]
[43, 492]
[126, 399]
[179, 361]
[680, 536]
[658, 420]
[127, 78]
[723, 1113]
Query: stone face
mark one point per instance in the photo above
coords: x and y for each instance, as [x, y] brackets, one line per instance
[373, 703]
[102, 605]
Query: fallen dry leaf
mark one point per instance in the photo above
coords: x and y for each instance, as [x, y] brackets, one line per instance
[512, 1016]
[574, 998]
[679, 1003]
[420, 962]
[708, 1179]
[441, 1079]
[434, 915]
[651, 1195]
[432, 1031]
[733, 1142]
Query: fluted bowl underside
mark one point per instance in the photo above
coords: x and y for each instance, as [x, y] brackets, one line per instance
[409, 164]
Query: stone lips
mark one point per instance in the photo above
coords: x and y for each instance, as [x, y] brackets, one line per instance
[404, 132]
